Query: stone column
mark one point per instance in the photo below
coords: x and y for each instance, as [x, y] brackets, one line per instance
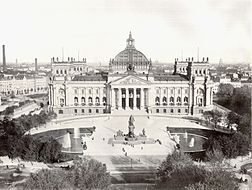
[100, 95]
[126, 98]
[167, 96]
[181, 95]
[134, 98]
[54, 95]
[119, 98]
[113, 98]
[161, 96]
[142, 99]
[50, 95]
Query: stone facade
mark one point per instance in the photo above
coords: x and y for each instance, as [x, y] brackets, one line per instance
[131, 84]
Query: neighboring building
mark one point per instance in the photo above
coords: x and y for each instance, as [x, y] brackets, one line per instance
[22, 85]
[131, 84]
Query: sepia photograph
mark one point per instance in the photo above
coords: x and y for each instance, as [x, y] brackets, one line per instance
[125, 94]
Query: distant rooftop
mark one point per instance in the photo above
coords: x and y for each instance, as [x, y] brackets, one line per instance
[90, 77]
[170, 77]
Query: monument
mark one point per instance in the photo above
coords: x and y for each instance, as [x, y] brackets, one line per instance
[131, 137]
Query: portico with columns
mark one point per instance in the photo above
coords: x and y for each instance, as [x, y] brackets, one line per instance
[129, 93]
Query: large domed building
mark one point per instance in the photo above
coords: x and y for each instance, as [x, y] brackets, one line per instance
[130, 59]
[130, 84]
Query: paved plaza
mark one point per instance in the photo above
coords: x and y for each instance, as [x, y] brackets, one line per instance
[114, 155]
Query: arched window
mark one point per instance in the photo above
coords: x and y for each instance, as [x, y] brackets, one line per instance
[97, 101]
[65, 72]
[75, 101]
[104, 100]
[57, 72]
[178, 99]
[61, 72]
[83, 102]
[164, 101]
[157, 100]
[186, 100]
[90, 101]
[200, 91]
[62, 102]
[171, 99]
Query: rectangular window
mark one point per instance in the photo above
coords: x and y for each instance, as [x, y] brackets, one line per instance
[186, 110]
[157, 110]
[179, 111]
[89, 111]
[171, 91]
[178, 91]
[164, 110]
[83, 91]
[90, 91]
[171, 110]
[82, 111]
[75, 91]
[97, 91]
[60, 111]
[75, 111]
[97, 111]
[164, 91]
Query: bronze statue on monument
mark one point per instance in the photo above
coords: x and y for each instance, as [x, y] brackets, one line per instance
[131, 127]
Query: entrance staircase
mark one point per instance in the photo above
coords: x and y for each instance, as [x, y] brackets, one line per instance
[129, 112]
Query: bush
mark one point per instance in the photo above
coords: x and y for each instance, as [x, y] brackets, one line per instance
[231, 146]
[48, 179]
[85, 174]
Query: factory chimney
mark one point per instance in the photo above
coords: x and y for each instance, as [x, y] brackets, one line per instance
[36, 65]
[4, 59]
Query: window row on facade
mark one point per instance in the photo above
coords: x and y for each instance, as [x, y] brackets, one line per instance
[171, 111]
[171, 101]
[171, 90]
[85, 111]
[90, 101]
[89, 90]
[65, 71]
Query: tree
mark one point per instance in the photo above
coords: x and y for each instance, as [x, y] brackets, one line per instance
[233, 118]
[49, 180]
[216, 178]
[187, 175]
[215, 156]
[213, 116]
[173, 161]
[231, 145]
[50, 151]
[84, 174]
[89, 174]
[225, 90]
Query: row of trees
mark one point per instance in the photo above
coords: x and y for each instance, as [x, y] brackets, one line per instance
[238, 100]
[84, 174]
[230, 145]
[179, 172]
[14, 142]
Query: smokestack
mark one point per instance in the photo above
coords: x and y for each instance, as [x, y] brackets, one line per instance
[4, 60]
[36, 65]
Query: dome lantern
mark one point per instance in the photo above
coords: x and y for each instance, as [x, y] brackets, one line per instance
[130, 42]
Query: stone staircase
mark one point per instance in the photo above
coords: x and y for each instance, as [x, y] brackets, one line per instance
[129, 112]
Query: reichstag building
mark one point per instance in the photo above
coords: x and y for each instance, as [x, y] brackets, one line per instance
[130, 84]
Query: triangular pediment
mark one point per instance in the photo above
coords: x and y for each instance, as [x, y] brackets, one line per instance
[130, 80]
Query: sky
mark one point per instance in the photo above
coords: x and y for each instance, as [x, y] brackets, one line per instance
[97, 29]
